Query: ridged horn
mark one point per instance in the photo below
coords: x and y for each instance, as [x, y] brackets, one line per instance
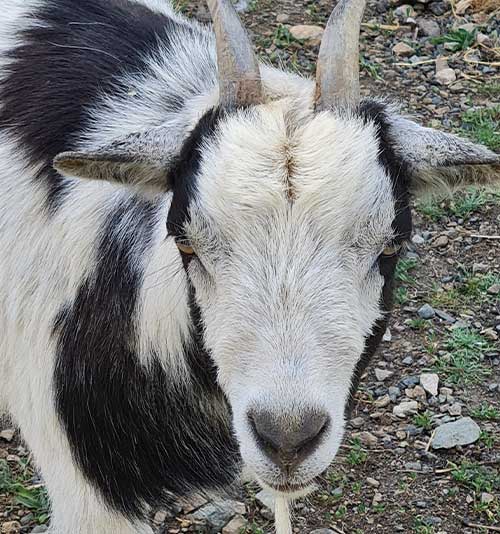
[337, 77]
[239, 75]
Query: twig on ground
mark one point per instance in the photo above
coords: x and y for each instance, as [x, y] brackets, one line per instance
[477, 525]
[485, 236]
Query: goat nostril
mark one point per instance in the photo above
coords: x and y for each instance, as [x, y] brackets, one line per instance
[288, 440]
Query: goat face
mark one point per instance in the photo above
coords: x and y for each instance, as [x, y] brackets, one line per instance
[288, 223]
[283, 238]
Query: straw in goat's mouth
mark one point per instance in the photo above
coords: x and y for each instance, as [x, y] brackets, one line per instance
[282, 519]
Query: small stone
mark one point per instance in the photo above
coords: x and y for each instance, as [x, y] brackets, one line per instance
[394, 393]
[493, 387]
[407, 361]
[494, 289]
[483, 39]
[487, 498]
[438, 8]
[235, 526]
[413, 466]
[337, 492]
[265, 498]
[455, 409]
[387, 337]
[429, 27]
[305, 32]
[405, 408]
[7, 434]
[215, 514]
[445, 316]
[382, 402]
[357, 422]
[160, 517]
[430, 382]
[417, 393]
[402, 49]
[469, 27]
[366, 438]
[418, 239]
[39, 529]
[480, 268]
[372, 482]
[462, 432]
[442, 241]
[282, 18]
[11, 527]
[404, 11]
[382, 374]
[426, 312]
[322, 531]
[490, 334]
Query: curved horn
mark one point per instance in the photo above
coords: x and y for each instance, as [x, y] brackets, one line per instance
[239, 74]
[337, 78]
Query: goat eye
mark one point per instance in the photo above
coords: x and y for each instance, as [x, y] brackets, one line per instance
[391, 250]
[185, 248]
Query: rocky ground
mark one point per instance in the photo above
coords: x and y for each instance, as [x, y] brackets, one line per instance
[422, 454]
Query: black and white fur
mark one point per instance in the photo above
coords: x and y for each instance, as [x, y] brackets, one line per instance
[131, 367]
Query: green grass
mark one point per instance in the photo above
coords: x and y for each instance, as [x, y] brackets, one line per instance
[373, 69]
[417, 324]
[357, 455]
[423, 420]
[421, 527]
[472, 290]
[431, 209]
[487, 439]
[403, 269]
[282, 37]
[490, 89]
[486, 412]
[401, 296]
[460, 39]
[463, 362]
[33, 497]
[482, 126]
[468, 202]
[477, 477]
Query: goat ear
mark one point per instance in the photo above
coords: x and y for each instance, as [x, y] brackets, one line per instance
[139, 159]
[439, 160]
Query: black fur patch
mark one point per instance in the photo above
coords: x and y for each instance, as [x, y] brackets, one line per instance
[75, 52]
[400, 176]
[134, 432]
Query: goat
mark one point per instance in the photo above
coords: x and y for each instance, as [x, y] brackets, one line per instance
[197, 250]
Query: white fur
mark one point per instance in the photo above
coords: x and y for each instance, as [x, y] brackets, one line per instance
[287, 289]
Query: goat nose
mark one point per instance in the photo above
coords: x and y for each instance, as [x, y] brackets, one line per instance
[288, 440]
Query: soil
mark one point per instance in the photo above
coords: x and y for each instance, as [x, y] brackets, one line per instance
[389, 478]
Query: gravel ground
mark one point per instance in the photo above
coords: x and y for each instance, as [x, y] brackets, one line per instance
[440, 362]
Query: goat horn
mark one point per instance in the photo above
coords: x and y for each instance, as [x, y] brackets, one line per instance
[337, 77]
[239, 73]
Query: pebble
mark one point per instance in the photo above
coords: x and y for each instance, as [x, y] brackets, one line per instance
[405, 408]
[487, 498]
[282, 18]
[235, 526]
[382, 402]
[493, 387]
[7, 434]
[216, 514]
[430, 382]
[455, 409]
[372, 482]
[407, 361]
[462, 432]
[442, 240]
[428, 27]
[402, 49]
[480, 268]
[404, 11]
[382, 374]
[445, 316]
[265, 498]
[39, 529]
[11, 527]
[305, 32]
[426, 312]
[366, 438]
[322, 531]
[413, 466]
[494, 289]
[357, 422]
[394, 393]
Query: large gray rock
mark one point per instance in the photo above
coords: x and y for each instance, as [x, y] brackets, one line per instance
[462, 432]
[216, 515]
